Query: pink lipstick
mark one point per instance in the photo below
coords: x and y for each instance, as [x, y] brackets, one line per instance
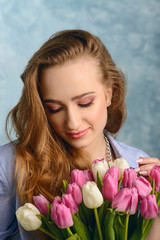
[79, 134]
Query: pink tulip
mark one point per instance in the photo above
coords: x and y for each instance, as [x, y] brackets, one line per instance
[149, 207]
[143, 187]
[126, 200]
[110, 183]
[41, 203]
[57, 200]
[78, 177]
[61, 215]
[113, 172]
[88, 175]
[74, 189]
[155, 174]
[129, 175]
[69, 202]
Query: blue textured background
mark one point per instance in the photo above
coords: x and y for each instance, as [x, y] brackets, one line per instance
[129, 29]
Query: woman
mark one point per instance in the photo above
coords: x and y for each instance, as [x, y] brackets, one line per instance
[71, 104]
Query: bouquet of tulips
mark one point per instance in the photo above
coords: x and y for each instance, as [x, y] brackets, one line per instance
[109, 202]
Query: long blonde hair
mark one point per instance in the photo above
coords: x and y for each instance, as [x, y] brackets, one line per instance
[43, 160]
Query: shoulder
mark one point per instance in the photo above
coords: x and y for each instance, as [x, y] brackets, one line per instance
[7, 151]
[8, 224]
[132, 150]
[131, 154]
[7, 160]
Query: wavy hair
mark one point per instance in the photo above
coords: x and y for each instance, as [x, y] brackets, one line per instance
[43, 160]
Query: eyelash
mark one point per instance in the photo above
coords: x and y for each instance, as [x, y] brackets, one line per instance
[86, 105]
[54, 111]
[81, 105]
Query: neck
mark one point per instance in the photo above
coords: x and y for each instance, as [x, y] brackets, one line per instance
[97, 149]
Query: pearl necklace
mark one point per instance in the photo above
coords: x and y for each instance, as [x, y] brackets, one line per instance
[108, 150]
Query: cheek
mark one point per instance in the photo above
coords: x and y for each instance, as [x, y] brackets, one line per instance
[56, 123]
[99, 115]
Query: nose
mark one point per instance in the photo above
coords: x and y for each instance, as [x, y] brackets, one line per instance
[73, 119]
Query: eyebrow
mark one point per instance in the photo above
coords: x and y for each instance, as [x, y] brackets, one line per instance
[74, 98]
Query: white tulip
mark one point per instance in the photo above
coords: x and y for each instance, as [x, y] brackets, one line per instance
[92, 197]
[122, 164]
[101, 167]
[26, 215]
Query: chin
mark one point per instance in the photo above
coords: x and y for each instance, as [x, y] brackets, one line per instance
[78, 145]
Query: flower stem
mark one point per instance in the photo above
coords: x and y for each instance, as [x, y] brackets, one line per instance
[146, 221]
[69, 231]
[98, 224]
[42, 229]
[126, 227]
[119, 183]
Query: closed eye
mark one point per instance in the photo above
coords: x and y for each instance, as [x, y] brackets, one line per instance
[52, 108]
[54, 111]
[86, 104]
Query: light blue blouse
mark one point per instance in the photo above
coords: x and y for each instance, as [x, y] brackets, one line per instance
[9, 228]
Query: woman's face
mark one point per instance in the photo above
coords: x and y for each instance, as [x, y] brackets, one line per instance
[76, 101]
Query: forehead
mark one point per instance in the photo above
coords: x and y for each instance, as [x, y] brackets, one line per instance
[71, 78]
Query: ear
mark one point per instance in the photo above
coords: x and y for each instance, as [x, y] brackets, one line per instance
[108, 94]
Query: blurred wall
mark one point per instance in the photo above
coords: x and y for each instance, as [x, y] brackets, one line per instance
[129, 29]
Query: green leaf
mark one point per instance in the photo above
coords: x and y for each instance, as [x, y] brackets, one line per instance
[87, 216]
[158, 198]
[81, 229]
[135, 227]
[65, 185]
[147, 224]
[119, 225]
[46, 231]
[49, 210]
[96, 233]
[74, 237]
[99, 182]
[108, 227]
[102, 213]
[82, 214]
[57, 231]
[52, 228]
[120, 182]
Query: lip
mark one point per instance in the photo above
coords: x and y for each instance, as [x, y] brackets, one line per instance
[79, 134]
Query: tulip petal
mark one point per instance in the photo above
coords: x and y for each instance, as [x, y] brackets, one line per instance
[26, 215]
[100, 166]
[149, 207]
[69, 202]
[126, 200]
[78, 177]
[143, 187]
[61, 215]
[129, 176]
[74, 189]
[155, 174]
[110, 183]
[122, 164]
[92, 196]
[41, 203]
[110, 188]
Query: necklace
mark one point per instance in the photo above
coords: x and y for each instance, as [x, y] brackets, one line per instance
[108, 150]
